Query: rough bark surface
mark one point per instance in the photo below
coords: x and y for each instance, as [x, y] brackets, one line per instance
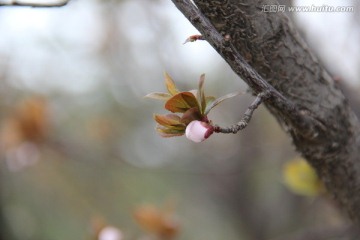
[272, 46]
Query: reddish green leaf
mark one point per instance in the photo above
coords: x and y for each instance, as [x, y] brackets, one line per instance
[170, 85]
[191, 115]
[169, 132]
[219, 100]
[181, 102]
[169, 120]
[201, 93]
[159, 96]
[194, 92]
[209, 100]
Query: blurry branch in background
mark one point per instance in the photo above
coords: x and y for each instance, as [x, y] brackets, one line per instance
[34, 4]
[344, 233]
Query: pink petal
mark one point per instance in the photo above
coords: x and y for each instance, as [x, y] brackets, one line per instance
[198, 131]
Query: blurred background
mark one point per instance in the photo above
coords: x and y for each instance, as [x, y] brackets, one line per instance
[80, 158]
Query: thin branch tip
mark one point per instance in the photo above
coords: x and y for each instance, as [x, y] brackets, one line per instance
[194, 38]
[261, 97]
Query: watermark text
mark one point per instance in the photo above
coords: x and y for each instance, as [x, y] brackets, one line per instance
[308, 8]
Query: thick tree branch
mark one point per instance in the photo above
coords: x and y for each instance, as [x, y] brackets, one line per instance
[307, 126]
[34, 4]
[303, 97]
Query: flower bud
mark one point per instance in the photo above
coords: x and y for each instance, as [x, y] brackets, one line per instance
[110, 233]
[198, 131]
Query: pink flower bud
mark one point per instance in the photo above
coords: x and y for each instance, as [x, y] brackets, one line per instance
[198, 131]
[110, 233]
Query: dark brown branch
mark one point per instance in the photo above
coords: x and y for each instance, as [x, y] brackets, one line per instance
[34, 4]
[302, 95]
[226, 49]
[247, 116]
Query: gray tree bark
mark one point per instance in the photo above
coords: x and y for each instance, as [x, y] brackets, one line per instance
[323, 127]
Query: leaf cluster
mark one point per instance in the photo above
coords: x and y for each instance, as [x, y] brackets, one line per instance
[193, 105]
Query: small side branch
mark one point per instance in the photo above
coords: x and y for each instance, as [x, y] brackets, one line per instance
[247, 115]
[194, 38]
[34, 4]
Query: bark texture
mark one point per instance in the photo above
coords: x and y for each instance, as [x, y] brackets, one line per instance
[323, 127]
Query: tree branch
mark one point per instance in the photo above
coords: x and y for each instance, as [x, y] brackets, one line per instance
[299, 119]
[247, 115]
[302, 95]
[34, 4]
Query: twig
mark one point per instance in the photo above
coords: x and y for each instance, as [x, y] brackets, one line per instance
[247, 116]
[194, 38]
[34, 4]
[299, 119]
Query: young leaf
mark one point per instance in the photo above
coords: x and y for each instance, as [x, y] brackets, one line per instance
[194, 92]
[181, 102]
[209, 100]
[170, 85]
[201, 93]
[158, 96]
[169, 132]
[219, 100]
[168, 120]
[191, 115]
